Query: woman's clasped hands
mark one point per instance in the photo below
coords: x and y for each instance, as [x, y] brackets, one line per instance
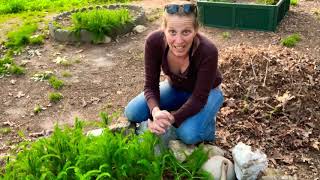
[162, 120]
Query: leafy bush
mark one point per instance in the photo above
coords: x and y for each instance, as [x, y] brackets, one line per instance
[56, 83]
[7, 66]
[21, 37]
[69, 154]
[294, 2]
[55, 97]
[291, 40]
[100, 22]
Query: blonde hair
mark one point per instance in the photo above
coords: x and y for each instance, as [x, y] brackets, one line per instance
[193, 15]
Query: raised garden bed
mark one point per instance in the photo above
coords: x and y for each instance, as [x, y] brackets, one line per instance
[242, 15]
[58, 27]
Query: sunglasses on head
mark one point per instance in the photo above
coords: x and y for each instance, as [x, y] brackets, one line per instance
[175, 8]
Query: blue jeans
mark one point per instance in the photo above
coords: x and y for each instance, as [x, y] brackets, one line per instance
[197, 128]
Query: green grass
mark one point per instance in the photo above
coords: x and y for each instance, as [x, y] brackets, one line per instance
[100, 22]
[5, 131]
[56, 83]
[55, 97]
[7, 66]
[294, 2]
[267, 2]
[37, 39]
[21, 37]
[18, 6]
[69, 154]
[291, 40]
[66, 74]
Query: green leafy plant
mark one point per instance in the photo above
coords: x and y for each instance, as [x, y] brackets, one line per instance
[56, 83]
[69, 154]
[294, 2]
[7, 66]
[66, 74]
[100, 22]
[226, 35]
[18, 6]
[55, 97]
[36, 39]
[37, 108]
[5, 130]
[21, 37]
[42, 76]
[291, 40]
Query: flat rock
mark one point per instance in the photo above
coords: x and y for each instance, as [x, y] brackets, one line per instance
[220, 168]
[139, 29]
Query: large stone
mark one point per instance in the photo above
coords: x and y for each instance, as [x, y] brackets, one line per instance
[248, 164]
[220, 168]
[62, 35]
[180, 150]
[213, 150]
[139, 29]
[86, 36]
[276, 174]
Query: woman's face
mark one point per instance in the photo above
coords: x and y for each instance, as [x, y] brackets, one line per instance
[179, 33]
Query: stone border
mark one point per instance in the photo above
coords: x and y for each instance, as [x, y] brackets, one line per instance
[63, 35]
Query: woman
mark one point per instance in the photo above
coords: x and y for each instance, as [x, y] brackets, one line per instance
[190, 97]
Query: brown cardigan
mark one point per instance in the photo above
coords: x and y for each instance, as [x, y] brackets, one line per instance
[201, 76]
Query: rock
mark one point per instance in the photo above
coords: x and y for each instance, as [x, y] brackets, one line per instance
[220, 168]
[62, 35]
[180, 150]
[275, 174]
[213, 150]
[13, 81]
[95, 132]
[107, 39]
[248, 164]
[139, 29]
[121, 124]
[86, 36]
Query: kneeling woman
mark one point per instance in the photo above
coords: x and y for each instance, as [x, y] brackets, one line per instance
[190, 97]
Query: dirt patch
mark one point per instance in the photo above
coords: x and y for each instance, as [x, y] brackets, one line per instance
[106, 77]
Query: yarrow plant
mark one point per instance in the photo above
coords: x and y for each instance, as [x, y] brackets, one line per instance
[69, 154]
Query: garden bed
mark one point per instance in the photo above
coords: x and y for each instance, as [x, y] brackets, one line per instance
[242, 15]
[60, 26]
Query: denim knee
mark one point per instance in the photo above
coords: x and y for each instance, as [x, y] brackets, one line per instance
[187, 136]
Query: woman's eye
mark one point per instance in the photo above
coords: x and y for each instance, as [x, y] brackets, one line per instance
[187, 32]
[172, 32]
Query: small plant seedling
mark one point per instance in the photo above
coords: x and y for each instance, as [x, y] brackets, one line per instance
[7, 66]
[42, 76]
[294, 2]
[36, 39]
[5, 131]
[226, 35]
[66, 74]
[291, 40]
[37, 109]
[105, 118]
[55, 97]
[62, 60]
[56, 83]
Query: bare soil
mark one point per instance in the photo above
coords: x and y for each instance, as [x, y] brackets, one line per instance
[271, 92]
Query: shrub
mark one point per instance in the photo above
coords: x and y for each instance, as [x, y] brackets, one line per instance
[55, 97]
[291, 40]
[100, 22]
[69, 154]
[56, 83]
[7, 66]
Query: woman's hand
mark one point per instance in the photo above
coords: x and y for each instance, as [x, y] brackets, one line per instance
[162, 120]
